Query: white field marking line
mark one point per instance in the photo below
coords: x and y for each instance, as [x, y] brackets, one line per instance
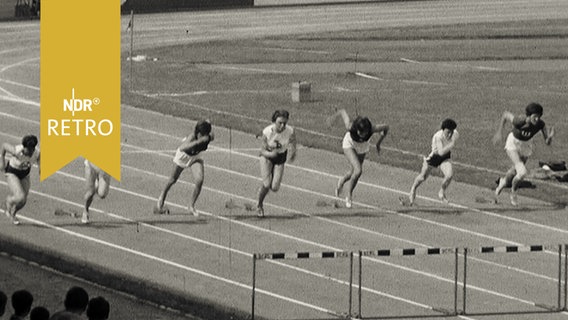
[19, 100]
[174, 264]
[376, 186]
[214, 245]
[368, 76]
[375, 260]
[464, 65]
[147, 151]
[216, 92]
[17, 64]
[10, 94]
[20, 84]
[250, 69]
[341, 89]
[291, 50]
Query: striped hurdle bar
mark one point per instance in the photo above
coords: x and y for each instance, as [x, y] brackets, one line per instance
[302, 255]
[407, 252]
[513, 249]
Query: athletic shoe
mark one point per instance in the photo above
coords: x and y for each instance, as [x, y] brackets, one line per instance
[15, 220]
[193, 211]
[514, 199]
[348, 203]
[260, 212]
[405, 201]
[85, 218]
[163, 210]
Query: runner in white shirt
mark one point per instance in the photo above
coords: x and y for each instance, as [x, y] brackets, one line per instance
[355, 146]
[442, 143]
[277, 139]
[17, 169]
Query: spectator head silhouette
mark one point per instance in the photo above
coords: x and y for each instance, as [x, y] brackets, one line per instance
[98, 309]
[76, 300]
[39, 313]
[22, 302]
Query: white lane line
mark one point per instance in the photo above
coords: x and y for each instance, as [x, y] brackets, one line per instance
[19, 84]
[10, 66]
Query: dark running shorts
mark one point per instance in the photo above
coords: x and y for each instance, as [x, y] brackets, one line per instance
[279, 159]
[436, 160]
[18, 173]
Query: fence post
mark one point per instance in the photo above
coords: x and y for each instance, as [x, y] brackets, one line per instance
[360, 281]
[350, 283]
[559, 276]
[565, 275]
[456, 283]
[253, 283]
[464, 278]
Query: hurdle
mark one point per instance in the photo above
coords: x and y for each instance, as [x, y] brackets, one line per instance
[300, 256]
[520, 249]
[360, 254]
[562, 274]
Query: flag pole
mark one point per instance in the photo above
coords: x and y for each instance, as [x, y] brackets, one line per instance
[131, 25]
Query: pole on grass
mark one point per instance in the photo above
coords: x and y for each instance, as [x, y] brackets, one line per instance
[456, 283]
[464, 278]
[559, 276]
[565, 275]
[253, 284]
[230, 209]
[350, 283]
[131, 26]
[360, 281]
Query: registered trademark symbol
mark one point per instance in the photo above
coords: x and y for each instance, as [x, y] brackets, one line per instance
[96, 101]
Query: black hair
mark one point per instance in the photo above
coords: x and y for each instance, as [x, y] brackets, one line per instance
[39, 313]
[449, 124]
[98, 309]
[76, 299]
[280, 113]
[203, 127]
[22, 302]
[534, 108]
[362, 124]
[29, 141]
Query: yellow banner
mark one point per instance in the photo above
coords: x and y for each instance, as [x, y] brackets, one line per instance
[80, 84]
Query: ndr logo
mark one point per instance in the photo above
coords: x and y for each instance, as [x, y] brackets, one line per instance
[79, 105]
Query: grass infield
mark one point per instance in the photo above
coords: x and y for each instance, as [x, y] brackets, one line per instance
[470, 72]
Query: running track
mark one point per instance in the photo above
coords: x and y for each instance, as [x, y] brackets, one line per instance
[210, 256]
